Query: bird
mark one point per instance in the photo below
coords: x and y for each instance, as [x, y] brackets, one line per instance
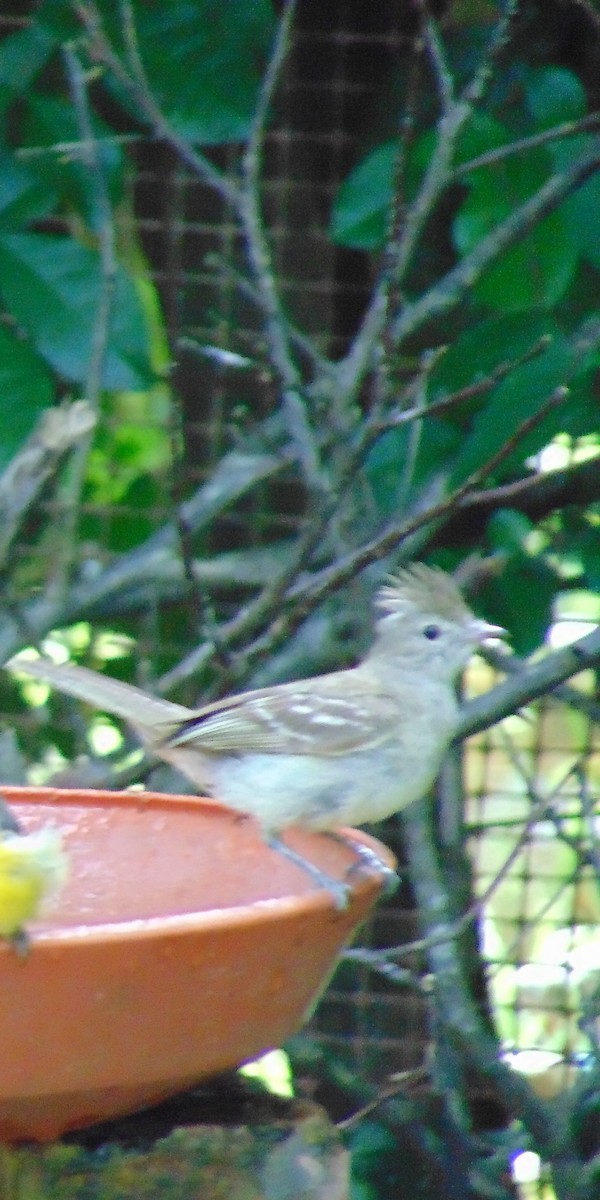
[349, 747]
[33, 866]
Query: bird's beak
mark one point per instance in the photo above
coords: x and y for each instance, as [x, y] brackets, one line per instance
[482, 630]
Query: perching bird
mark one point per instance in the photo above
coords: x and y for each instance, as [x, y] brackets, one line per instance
[33, 866]
[345, 748]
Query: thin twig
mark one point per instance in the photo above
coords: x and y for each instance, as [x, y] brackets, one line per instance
[523, 145]
[261, 261]
[72, 149]
[542, 808]
[382, 382]
[306, 595]
[138, 89]
[103, 226]
[437, 57]
[200, 603]
[455, 114]
[379, 960]
[540, 493]
[475, 89]
[458, 1016]
[301, 598]
[474, 391]
[321, 366]
[398, 1085]
[352, 369]
[544, 805]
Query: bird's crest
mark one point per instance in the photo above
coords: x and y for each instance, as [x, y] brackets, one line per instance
[427, 589]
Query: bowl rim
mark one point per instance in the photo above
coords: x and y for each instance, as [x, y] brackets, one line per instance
[199, 921]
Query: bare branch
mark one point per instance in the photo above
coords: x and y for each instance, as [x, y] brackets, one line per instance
[456, 1012]
[455, 115]
[261, 262]
[140, 92]
[389, 540]
[472, 392]
[475, 89]
[235, 475]
[319, 364]
[536, 680]
[563, 693]
[541, 493]
[437, 57]
[450, 290]
[57, 431]
[103, 226]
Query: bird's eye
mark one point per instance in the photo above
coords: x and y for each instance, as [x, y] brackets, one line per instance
[431, 632]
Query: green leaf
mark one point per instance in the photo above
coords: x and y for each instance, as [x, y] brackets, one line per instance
[537, 270]
[580, 214]
[52, 286]
[386, 462]
[518, 397]
[205, 61]
[22, 56]
[589, 548]
[479, 350]
[49, 121]
[361, 206]
[534, 273]
[136, 522]
[521, 600]
[58, 20]
[508, 530]
[554, 94]
[22, 197]
[26, 389]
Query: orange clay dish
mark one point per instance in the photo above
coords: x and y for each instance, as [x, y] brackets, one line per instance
[179, 946]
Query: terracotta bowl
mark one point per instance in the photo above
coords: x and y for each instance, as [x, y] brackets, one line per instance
[179, 947]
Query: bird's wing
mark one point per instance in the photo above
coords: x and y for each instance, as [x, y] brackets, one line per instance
[290, 720]
[321, 716]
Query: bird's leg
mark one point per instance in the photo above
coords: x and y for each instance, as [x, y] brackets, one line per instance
[367, 860]
[339, 891]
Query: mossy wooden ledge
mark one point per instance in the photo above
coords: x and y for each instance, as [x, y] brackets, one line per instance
[208, 1144]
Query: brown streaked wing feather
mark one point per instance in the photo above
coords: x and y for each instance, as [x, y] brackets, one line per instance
[291, 722]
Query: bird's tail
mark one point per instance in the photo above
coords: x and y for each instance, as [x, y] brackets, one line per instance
[149, 714]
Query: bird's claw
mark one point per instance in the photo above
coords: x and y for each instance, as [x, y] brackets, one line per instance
[341, 893]
[368, 860]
